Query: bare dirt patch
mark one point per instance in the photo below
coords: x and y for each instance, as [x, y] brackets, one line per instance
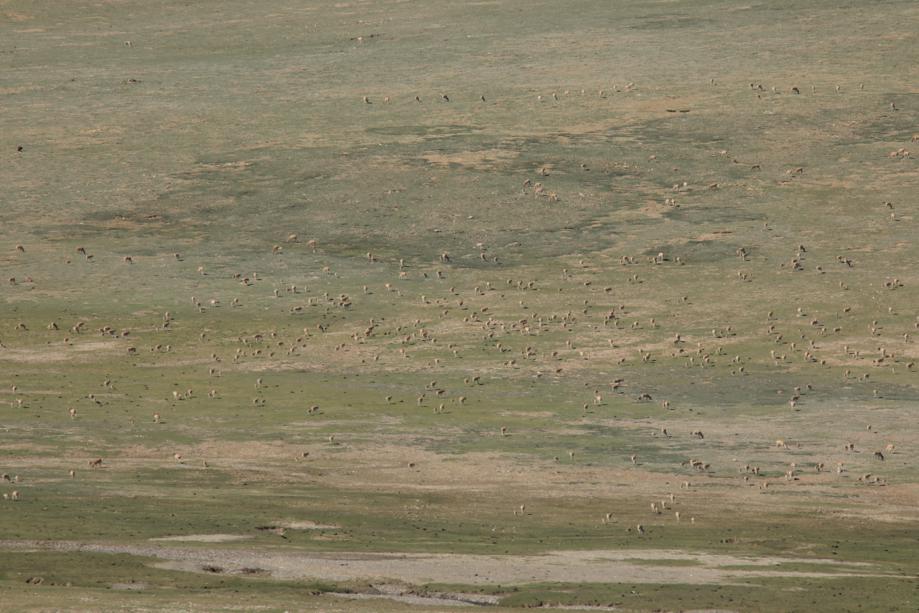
[623, 566]
[204, 538]
[478, 160]
[306, 524]
[60, 353]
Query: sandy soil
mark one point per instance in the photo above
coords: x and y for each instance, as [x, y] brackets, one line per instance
[624, 566]
[204, 538]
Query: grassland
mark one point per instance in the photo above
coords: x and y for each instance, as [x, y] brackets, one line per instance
[413, 353]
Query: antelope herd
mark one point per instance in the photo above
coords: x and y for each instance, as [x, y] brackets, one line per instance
[590, 301]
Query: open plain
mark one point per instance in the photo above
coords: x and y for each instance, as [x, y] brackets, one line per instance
[416, 305]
